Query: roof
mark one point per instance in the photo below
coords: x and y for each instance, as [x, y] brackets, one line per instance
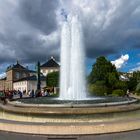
[123, 78]
[50, 63]
[31, 71]
[31, 78]
[18, 66]
[3, 78]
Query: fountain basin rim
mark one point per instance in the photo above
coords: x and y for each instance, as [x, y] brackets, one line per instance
[72, 105]
[43, 110]
[82, 109]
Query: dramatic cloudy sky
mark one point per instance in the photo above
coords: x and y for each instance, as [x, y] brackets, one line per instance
[30, 30]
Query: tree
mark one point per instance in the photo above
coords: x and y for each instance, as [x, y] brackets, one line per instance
[52, 79]
[101, 70]
[121, 85]
[134, 81]
[99, 88]
[112, 79]
[136, 75]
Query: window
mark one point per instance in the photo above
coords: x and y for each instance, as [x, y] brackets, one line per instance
[17, 75]
[24, 74]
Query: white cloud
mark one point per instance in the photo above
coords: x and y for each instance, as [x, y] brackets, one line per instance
[138, 64]
[120, 61]
[136, 68]
[2, 75]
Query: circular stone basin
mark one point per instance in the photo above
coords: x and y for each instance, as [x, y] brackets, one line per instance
[51, 106]
[97, 101]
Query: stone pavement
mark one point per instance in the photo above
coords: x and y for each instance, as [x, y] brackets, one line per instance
[132, 135]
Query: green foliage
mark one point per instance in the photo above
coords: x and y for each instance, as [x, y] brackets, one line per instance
[136, 76]
[138, 88]
[52, 79]
[101, 70]
[134, 81]
[103, 76]
[121, 85]
[54, 95]
[100, 83]
[112, 79]
[138, 94]
[118, 92]
[99, 88]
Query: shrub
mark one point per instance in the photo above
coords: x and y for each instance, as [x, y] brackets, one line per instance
[52, 79]
[118, 92]
[98, 90]
[138, 93]
[100, 83]
[121, 85]
[138, 88]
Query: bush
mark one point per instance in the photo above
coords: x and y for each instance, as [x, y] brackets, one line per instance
[52, 79]
[98, 90]
[100, 83]
[122, 85]
[118, 92]
[138, 94]
[138, 88]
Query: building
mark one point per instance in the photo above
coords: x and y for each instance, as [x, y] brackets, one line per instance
[50, 66]
[124, 76]
[20, 77]
[28, 83]
[17, 75]
[14, 73]
[2, 83]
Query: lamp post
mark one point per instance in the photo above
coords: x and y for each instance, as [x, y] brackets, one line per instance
[38, 76]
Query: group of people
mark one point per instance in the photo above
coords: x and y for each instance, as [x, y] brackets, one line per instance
[37, 93]
[11, 94]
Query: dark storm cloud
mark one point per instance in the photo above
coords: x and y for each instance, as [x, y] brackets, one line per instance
[21, 24]
[30, 29]
[109, 26]
[40, 14]
[33, 49]
[115, 32]
[93, 53]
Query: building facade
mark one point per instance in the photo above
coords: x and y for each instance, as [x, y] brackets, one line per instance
[2, 84]
[50, 66]
[14, 73]
[21, 78]
[28, 83]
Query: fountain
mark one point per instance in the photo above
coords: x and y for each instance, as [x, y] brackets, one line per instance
[72, 73]
[72, 113]
[72, 78]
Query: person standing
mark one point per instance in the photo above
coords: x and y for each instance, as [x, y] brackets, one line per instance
[20, 94]
[32, 93]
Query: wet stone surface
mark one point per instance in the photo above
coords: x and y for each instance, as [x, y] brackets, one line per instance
[50, 100]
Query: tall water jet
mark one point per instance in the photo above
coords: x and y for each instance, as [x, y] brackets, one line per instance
[72, 79]
[65, 60]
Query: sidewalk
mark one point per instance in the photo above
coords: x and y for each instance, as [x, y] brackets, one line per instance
[135, 96]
